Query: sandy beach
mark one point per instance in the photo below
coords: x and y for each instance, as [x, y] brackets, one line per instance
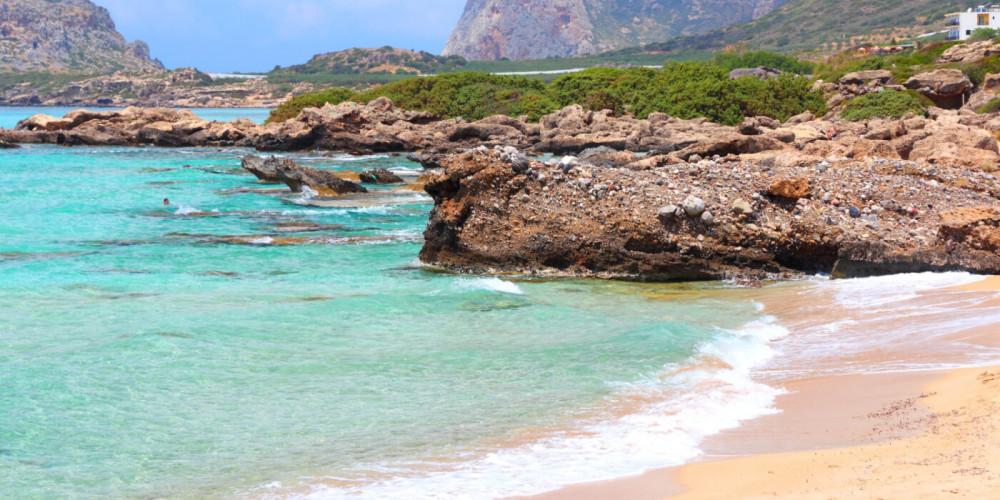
[911, 434]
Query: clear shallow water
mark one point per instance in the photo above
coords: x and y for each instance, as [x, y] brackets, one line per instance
[186, 352]
[143, 355]
[10, 115]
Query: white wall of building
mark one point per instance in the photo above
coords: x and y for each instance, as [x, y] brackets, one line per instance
[970, 21]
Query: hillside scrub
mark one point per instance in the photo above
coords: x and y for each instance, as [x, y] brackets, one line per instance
[683, 90]
[885, 104]
[472, 96]
[730, 61]
[291, 108]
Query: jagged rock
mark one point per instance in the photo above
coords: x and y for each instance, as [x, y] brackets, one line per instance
[380, 176]
[487, 218]
[324, 182]
[264, 169]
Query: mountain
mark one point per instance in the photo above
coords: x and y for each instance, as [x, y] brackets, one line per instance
[536, 29]
[65, 35]
[828, 26]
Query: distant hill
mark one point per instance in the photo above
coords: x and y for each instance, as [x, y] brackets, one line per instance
[536, 29]
[66, 35]
[807, 25]
[384, 60]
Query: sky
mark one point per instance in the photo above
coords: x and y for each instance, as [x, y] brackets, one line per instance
[256, 35]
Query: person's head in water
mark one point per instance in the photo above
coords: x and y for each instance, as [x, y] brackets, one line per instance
[166, 201]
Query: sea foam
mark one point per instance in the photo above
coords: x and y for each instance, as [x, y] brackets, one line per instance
[657, 422]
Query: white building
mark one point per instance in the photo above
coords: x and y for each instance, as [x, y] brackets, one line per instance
[962, 24]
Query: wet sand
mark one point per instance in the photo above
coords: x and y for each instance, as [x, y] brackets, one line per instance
[915, 434]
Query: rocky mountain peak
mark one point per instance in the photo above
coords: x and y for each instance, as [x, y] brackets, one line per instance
[66, 35]
[536, 29]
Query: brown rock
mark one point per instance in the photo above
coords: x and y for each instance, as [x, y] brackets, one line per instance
[792, 189]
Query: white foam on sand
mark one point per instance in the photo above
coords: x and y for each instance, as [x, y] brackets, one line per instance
[647, 424]
[891, 323]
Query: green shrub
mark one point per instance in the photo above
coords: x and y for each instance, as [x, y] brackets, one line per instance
[980, 34]
[885, 104]
[977, 71]
[291, 108]
[788, 64]
[683, 90]
[469, 95]
[990, 107]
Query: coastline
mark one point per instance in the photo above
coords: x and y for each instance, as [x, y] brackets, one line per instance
[905, 433]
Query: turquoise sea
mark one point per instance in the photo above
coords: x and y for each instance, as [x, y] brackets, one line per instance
[243, 342]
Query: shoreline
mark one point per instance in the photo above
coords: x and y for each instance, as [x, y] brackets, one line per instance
[832, 430]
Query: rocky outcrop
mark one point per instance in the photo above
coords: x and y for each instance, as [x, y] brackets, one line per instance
[536, 29]
[132, 127]
[182, 88]
[298, 178]
[969, 52]
[66, 35]
[711, 219]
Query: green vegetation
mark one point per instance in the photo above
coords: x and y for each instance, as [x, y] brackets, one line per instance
[469, 95]
[291, 108]
[43, 81]
[982, 34]
[885, 104]
[990, 107]
[684, 90]
[731, 60]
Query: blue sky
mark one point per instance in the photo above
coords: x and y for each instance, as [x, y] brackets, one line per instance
[255, 35]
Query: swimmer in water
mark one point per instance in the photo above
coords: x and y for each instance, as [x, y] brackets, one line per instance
[166, 201]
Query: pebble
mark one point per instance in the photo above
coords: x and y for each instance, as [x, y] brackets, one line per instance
[707, 218]
[741, 207]
[855, 213]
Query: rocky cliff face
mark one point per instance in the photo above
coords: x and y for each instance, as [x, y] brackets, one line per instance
[72, 35]
[536, 29]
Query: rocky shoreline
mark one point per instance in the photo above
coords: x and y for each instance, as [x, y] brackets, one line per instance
[713, 219]
[660, 199]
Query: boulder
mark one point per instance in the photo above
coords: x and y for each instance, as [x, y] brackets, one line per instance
[946, 87]
[43, 122]
[881, 76]
[607, 156]
[761, 72]
[380, 176]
